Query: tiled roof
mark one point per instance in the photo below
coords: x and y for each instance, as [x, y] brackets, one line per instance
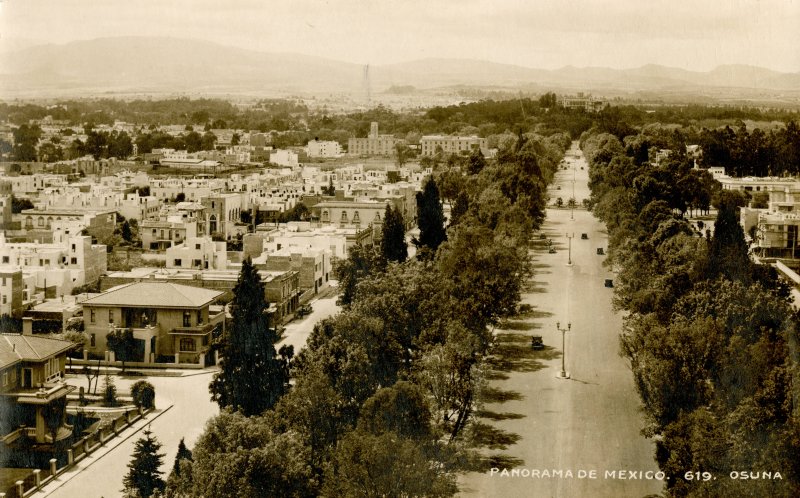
[18, 347]
[155, 295]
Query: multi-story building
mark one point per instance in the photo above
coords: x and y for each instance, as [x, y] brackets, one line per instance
[223, 212]
[283, 157]
[374, 144]
[166, 319]
[323, 148]
[312, 265]
[11, 291]
[199, 253]
[431, 144]
[33, 390]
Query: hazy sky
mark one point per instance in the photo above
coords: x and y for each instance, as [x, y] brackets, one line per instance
[695, 34]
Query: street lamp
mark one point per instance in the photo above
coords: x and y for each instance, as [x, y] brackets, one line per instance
[563, 374]
[569, 253]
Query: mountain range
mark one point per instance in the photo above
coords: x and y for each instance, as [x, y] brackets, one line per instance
[168, 65]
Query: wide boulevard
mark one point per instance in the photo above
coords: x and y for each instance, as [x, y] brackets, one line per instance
[556, 437]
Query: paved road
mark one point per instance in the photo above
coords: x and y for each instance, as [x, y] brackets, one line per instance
[298, 330]
[537, 422]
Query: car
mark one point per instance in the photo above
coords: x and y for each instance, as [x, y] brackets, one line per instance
[609, 283]
[600, 251]
[552, 250]
[537, 342]
[304, 310]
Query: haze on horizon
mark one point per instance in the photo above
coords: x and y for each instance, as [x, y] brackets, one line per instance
[546, 34]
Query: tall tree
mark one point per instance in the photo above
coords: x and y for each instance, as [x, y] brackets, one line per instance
[144, 477]
[393, 241]
[123, 344]
[251, 378]
[430, 217]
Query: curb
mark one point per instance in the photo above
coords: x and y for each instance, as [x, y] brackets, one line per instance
[109, 449]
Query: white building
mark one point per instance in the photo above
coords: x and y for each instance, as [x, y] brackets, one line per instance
[199, 253]
[284, 158]
[323, 148]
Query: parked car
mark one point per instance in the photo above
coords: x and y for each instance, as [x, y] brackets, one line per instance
[552, 250]
[537, 342]
[304, 310]
[600, 251]
[609, 283]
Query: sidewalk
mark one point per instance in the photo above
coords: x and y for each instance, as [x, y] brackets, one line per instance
[87, 462]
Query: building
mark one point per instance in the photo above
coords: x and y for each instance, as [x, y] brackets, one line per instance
[33, 391]
[582, 101]
[11, 291]
[167, 319]
[200, 253]
[223, 212]
[323, 148]
[431, 144]
[163, 233]
[281, 288]
[374, 144]
[312, 265]
[284, 158]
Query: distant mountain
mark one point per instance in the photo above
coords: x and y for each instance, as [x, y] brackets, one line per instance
[169, 65]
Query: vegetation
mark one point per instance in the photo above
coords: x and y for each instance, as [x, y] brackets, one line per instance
[123, 344]
[707, 332]
[393, 236]
[143, 394]
[251, 377]
[144, 477]
[430, 217]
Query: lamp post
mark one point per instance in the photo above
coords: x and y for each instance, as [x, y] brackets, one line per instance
[563, 374]
[572, 204]
[569, 253]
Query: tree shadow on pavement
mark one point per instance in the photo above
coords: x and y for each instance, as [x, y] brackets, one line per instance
[512, 352]
[498, 416]
[489, 436]
[495, 395]
[485, 463]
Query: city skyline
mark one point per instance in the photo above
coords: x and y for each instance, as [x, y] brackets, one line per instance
[546, 35]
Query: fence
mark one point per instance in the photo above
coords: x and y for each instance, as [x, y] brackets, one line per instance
[81, 449]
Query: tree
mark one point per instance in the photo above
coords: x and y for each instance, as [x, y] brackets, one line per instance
[144, 477]
[400, 408]
[430, 217]
[179, 482]
[18, 204]
[366, 465]
[25, 139]
[123, 344]
[360, 263]
[144, 395]
[247, 457]
[126, 234]
[109, 391]
[251, 378]
[393, 236]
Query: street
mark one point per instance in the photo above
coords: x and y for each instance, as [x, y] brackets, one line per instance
[556, 434]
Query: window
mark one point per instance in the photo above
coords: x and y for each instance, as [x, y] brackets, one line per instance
[40, 221]
[177, 262]
[5, 379]
[5, 299]
[187, 344]
[5, 259]
[110, 316]
[92, 340]
[187, 319]
[154, 232]
[199, 317]
[197, 246]
[73, 261]
[4, 281]
[91, 315]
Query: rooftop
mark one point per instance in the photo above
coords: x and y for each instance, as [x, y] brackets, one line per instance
[18, 347]
[155, 294]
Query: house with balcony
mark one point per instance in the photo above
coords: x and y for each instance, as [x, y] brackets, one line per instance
[33, 394]
[167, 319]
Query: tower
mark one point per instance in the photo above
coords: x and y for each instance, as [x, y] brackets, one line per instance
[366, 85]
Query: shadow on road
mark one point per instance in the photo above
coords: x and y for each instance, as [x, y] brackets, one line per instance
[512, 352]
[519, 325]
[534, 287]
[498, 416]
[488, 436]
[495, 395]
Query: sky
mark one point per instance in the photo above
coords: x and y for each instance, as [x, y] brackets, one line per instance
[548, 34]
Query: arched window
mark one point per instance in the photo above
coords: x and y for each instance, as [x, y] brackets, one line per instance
[378, 216]
[28, 222]
[40, 221]
[325, 216]
[356, 219]
[343, 218]
[212, 223]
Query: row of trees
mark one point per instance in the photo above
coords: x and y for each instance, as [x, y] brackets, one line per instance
[708, 333]
[383, 393]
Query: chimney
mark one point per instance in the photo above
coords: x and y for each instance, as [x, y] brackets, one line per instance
[27, 325]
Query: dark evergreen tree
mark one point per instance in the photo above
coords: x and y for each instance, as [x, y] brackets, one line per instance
[251, 378]
[430, 217]
[184, 453]
[144, 477]
[728, 250]
[476, 162]
[126, 233]
[393, 241]
[361, 262]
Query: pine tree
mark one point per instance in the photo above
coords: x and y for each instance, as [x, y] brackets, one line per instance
[251, 378]
[430, 216]
[184, 453]
[393, 241]
[143, 477]
[127, 235]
